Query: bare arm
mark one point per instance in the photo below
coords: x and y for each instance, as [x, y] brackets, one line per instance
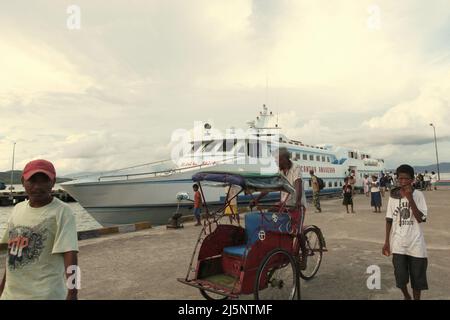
[416, 212]
[408, 193]
[386, 248]
[71, 259]
[2, 284]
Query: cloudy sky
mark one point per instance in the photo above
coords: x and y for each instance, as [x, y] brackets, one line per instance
[365, 74]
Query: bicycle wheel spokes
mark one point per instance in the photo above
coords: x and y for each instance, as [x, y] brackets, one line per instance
[276, 278]
[314, 253]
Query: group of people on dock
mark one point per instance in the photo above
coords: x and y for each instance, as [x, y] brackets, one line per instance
[42, 243]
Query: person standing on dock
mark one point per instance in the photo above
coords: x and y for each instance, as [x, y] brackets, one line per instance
[433, 180]
[347, 192]
[293, 174]
[316, 191]
[231, 209]
[42, 242]
[406, 211]
[375, 194]
[366, 185]
[197, 204]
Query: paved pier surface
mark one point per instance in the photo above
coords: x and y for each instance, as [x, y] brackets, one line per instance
[145, 264]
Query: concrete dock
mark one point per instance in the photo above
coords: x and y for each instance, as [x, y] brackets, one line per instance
[145, 264]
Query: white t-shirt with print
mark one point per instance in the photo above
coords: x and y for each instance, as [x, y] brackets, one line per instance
[292, 175]
[406, 233]
[37, 239]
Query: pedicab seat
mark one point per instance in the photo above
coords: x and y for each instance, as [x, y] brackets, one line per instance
[253, 224]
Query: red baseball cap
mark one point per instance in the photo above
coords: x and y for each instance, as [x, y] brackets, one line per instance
[39, 165]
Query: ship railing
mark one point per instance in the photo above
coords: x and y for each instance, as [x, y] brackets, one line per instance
[163, 173]
[92, 175]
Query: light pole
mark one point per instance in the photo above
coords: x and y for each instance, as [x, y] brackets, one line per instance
[12, 169]
[435, 146]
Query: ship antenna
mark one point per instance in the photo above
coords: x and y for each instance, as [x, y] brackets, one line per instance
[267, 89]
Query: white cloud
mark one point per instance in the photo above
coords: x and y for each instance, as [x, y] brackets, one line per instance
[111, 94]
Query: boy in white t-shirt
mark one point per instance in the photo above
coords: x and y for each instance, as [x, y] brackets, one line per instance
[406, 211]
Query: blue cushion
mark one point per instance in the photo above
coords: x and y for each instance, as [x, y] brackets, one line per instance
[236, 250]
[254, 223]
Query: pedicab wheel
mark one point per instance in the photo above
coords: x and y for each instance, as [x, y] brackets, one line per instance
[212, 296]
[277, 277]
[314, 252]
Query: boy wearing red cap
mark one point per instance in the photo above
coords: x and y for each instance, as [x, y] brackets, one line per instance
[42, 242]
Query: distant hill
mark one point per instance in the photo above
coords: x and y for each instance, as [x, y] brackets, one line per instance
[444, 167]
[5, 177]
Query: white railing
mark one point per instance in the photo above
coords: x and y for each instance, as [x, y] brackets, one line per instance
[162, 173]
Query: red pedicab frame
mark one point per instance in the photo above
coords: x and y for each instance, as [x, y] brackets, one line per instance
[260, 269]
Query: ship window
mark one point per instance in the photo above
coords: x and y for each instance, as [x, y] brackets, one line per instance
[330, 184]
[196, 145]
[311, 157]
[305, 156]
[323, 158]
[210, 146]
[241, 150]
[317, 158]
[328, 159]
[227, 145]
[340, 183]
[335, 184]
[253, 148]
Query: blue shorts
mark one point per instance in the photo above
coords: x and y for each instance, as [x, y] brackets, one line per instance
[197, 212]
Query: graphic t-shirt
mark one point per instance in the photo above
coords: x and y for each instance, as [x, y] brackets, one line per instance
[37, 239]
[406, 233]
[292, 175]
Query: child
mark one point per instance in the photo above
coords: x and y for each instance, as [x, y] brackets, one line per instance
[375, 194]
[197, 204]
[347, 191]
[232, 209]
[406, 211]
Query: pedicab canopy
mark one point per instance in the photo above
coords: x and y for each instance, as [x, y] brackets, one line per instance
[249, 181]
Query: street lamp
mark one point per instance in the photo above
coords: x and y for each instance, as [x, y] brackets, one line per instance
[435, 145]
[12, 170]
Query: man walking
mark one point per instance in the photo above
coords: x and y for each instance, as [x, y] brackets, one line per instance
[316, 191]
[42, 242]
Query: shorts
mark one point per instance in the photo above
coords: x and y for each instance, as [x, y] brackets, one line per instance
[197, 212]
[406, 267]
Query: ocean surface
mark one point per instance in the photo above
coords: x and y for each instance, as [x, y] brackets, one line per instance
[84, 219]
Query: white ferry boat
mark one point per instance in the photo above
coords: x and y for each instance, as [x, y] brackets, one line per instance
[149, 192]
